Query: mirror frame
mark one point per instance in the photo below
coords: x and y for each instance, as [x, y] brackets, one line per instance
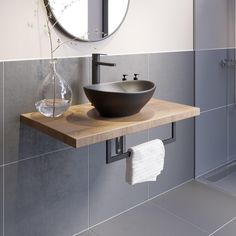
[53, 20]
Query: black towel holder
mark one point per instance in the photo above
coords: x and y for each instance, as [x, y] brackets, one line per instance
[120, 154]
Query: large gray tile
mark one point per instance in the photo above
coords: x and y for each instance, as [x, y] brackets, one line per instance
[232, 132]
[179, 158]
[173, 74]
[1, 113]
[109, 193]
[47, 195]
[147, 220]
[214, 24]
[1, 201]
[199, 204]
[77, 72]
[22, 80]
[211, 79]
[211, 140]
[228, 230]
[125, 64]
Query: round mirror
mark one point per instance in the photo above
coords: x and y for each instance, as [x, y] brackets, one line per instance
[88, 20]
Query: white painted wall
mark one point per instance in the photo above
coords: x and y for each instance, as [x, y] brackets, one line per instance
[150, 26]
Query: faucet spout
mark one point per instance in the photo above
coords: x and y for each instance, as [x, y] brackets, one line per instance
[106, 64]
[96, 63]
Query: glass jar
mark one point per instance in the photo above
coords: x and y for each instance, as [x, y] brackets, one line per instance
[55, 94]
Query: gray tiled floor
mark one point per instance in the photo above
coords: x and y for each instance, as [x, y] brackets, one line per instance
[147, 219]
[191, 209]
[202, 205]
[227, 230]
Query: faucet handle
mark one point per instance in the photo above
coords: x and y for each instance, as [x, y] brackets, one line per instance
[124, 77]
[135, 76]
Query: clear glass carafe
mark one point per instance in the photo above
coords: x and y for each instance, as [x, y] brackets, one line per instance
[55, 94]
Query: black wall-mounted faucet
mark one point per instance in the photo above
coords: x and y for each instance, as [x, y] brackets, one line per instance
[96, 63]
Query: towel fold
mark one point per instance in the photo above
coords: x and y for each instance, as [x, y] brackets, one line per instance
[146, 162]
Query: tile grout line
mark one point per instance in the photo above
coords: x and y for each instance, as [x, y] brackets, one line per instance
[88, 186]
[216, 108]
[89, 55]
[179, 217]
[37, 156]
[227, 116]
[83, 231]
[227, 92]
[129, 54]
[148, 131]
[3, 150]
[148, 183]
[223, 226]
[148, 67]
[93, 232]
[208, 172]
[213, 49]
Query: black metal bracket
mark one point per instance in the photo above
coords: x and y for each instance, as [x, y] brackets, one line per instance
[120, 154]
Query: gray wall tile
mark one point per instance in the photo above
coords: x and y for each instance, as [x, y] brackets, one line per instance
[211, 140]
[77, 72]
[173, 75]
[109, 193]
[211, 79]
[179, 158]
[1, 112]
[47, 195]
[125, 64]
[1, 201]
[22, 80]
[214, 24]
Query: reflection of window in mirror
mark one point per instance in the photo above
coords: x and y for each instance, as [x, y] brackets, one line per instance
[117, 10]
[72, 16]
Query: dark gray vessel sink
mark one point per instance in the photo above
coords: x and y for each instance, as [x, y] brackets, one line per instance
[120, 98]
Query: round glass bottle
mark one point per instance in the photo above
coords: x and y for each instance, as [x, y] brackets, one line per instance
[55, 94]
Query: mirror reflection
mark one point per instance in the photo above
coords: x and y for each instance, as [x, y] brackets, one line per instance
[89, 20]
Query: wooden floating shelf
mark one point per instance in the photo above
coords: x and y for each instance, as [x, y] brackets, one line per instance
[81, 125]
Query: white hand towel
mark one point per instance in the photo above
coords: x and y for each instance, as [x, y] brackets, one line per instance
[145, 163]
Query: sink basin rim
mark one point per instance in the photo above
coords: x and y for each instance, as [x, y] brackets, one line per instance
[95, 87]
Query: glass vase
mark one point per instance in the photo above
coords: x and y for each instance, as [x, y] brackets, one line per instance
[55, 94]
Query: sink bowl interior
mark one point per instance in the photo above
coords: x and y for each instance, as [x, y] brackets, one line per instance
[123, 87]
[120, 98]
